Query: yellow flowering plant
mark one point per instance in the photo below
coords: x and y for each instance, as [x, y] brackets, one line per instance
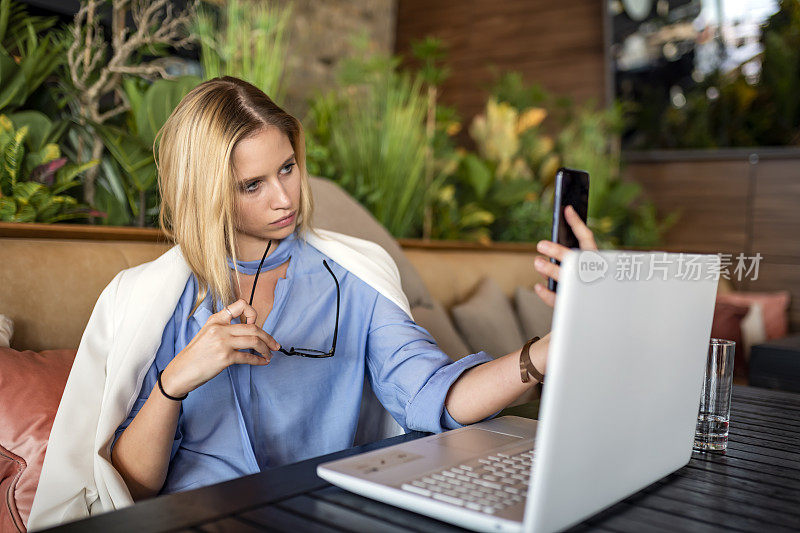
[34, 174]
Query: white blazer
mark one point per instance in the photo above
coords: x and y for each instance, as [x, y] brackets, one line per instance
[116, 351]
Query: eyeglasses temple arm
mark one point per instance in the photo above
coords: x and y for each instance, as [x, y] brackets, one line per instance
[336, 329]
[253, 292]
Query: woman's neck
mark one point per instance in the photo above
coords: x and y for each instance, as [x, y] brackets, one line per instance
[252, 249]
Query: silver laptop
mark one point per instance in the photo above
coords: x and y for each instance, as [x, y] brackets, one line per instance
[629, 341]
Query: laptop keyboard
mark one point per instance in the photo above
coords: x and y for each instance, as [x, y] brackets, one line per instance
[488, 484]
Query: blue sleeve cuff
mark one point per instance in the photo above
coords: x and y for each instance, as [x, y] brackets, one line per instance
[448, 422]
[426, 411]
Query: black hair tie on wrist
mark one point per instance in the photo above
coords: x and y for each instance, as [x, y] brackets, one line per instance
[160, 386]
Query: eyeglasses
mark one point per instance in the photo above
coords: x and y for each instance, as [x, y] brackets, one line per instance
[304, 352]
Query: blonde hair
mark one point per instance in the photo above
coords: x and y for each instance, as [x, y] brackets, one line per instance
[196, 176]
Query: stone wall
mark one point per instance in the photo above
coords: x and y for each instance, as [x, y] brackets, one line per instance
[320, 38]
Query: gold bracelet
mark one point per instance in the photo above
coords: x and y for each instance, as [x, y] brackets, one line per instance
[526, 368]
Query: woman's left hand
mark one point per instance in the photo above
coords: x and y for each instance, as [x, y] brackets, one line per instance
[558, 251]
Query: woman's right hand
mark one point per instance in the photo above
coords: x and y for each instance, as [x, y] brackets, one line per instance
[216, 347]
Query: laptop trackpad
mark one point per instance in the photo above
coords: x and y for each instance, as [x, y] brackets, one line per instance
[475, 440]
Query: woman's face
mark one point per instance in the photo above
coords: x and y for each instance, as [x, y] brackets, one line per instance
[268, 191]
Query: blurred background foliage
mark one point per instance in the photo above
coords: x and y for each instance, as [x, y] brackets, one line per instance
[379, 131]
[368, 134]
[33, 173]
[731, 109]
[246, 41]
[503, 189]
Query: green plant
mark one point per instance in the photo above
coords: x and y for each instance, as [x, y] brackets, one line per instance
[248, 41]
[431, 53]
[484, 187]
[618, 214]
[132, 146]
[16, 23]
[372, 132]
[515, 147]
[459, 204]
[35, 57]
[33, 173]
[514, 161]
[96, 66]
[731, 108]
[779, 84]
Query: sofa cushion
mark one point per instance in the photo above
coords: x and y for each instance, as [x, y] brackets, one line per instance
[535, 316]
[6, 331]
[49, 287]
[26, 418]
[753, 330]
[775, 306]
[727, 324]
[335, 210]
[435, 320]
[487, 321]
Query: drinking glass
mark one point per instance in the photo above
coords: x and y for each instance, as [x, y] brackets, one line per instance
[711, 432]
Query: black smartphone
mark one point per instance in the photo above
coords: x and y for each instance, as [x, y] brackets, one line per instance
[572, 188]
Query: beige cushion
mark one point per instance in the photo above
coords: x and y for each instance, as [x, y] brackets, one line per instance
[435, 320]
[451, 274]
[487, 321]
[49, 287]
[753, 328]
[6, 331]
[335, 210]
[535, 316]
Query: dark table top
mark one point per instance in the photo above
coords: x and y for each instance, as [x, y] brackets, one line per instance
[754, 487]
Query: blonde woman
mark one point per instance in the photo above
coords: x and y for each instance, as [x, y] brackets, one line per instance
[246, 346]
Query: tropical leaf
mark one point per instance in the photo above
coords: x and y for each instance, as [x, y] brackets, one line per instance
[24, 191]
[39, 59]
[45, 173]
[31, 180]
[478, 174]
[112, 180]
[33, 160]
[473, 216]
[13, 83]
[158, 102]
[66, 174]
[13, 153]
[8, 208]
[39, 128]
[114, 207]
[25, 213]
[131, 154]
[513, 192]
[14, 23]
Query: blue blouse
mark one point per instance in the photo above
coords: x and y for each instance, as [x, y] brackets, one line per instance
[249, 418]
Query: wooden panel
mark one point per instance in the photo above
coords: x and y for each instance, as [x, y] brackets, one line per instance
[20, 230]
[557, 44]
[711, 196]
[35, 230]
[776, 210]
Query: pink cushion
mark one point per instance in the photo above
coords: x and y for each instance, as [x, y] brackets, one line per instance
[728, 325]
[31, 385]
[775, 306]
